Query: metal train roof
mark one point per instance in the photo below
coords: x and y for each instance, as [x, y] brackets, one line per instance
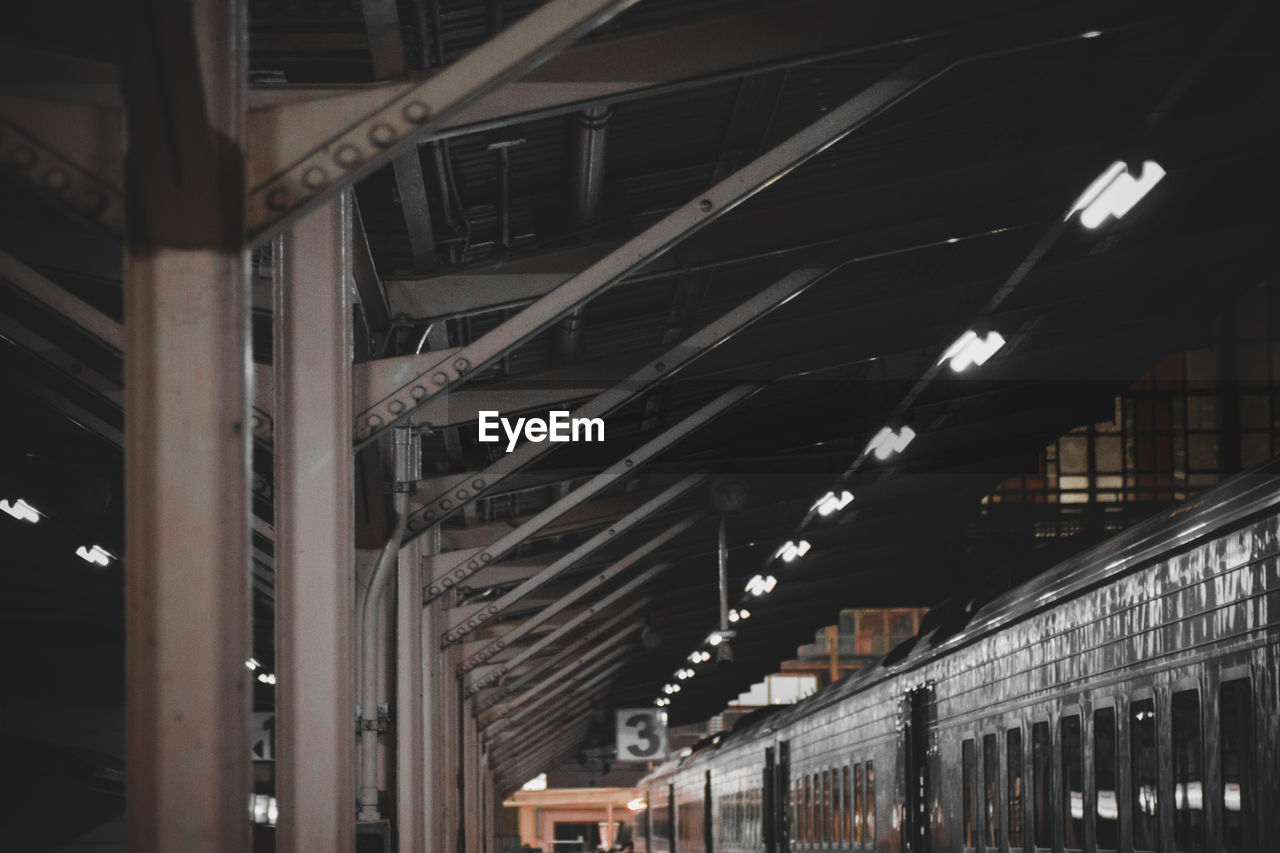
[941, 205]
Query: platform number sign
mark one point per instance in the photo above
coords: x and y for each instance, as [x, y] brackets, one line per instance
[641, 734]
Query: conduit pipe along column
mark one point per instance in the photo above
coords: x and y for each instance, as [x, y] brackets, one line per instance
[406, 471]
[590, 135]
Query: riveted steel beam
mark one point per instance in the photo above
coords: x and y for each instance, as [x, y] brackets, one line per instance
[467, 567]
[529, 651]
[461, 628]
[657, 369]
[61, 301]
[295, 163]
[595, 581]
[685, 220]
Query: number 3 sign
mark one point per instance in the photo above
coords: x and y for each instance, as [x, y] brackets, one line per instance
[642, 734]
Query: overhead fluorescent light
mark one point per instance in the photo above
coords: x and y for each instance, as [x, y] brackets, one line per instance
[830, 503]
[267, 677]
[790, 550]
[887, 442]
[97, 555]
[20, 510]
[761, 584]
[251, 664]
[970, 350]
[739, 615]
[1115, 192]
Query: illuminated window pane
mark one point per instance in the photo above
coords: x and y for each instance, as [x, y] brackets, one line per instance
[1202, 453]
[991, 789]
[1073, 454]
[1106, 450]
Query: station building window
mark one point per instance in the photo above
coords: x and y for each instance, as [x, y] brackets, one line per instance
[1236, 743]
[1106, 774]
[1013, 760]
[1143, 770]
[1041, 780]
[1188, 773]
[1072, 783]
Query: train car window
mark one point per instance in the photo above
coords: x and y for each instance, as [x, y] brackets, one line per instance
[1013, 759]
[817, 808]
[793, 810]
[848, 803]
[991, 789]
[1105, 780]
[857, 804]
[1235, 720]
[1041, 779]
[661, 819]
[1188, 773]
[1072, 783]
[808, 810]
[824, 805]
[869, 816]
[837, 813]
[969, 767]
[1143, 769]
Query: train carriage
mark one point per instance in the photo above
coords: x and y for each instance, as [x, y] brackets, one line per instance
[1125, 700]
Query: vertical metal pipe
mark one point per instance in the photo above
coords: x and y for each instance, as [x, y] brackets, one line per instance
[411, 646]
[314, 532]
[590, 137]
[187, 393]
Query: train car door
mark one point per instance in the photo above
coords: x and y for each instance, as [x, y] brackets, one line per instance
[782, 799]
[914, 749]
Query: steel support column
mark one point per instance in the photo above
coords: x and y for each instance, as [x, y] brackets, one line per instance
[187, 565]
[314, 529]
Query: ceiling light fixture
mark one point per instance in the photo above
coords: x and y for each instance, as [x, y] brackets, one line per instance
[20, 510]
[969, 349]
[97, 555]
[886, 442]
[761, 584]
[830, 503]
[1115, 192]
[267, 677]
[739, 615]
[790, 550]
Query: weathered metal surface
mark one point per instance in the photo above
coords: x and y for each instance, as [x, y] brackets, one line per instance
[1183, 602]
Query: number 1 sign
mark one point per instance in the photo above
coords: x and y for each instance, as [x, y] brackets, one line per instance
[642, 734]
